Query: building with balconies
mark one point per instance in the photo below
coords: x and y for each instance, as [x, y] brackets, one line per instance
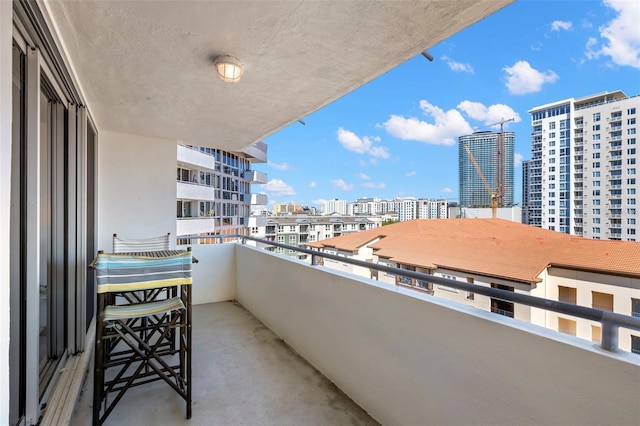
[583, 170]
[300, 230]
[214, 190]
[95, 98]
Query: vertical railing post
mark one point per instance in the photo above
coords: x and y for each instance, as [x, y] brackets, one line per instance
[314, 260]
[609, 338]
[244, 240]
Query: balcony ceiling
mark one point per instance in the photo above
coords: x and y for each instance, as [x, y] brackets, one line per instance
[147, 67]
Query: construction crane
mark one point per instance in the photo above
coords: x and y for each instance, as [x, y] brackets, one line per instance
[500, 172]
[495, 194]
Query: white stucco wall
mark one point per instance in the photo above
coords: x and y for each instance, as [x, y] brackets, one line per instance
[411, 359]
[214, 276]
[136, 187]
[6, 16]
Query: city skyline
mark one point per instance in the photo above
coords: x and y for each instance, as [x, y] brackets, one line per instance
[397, 135]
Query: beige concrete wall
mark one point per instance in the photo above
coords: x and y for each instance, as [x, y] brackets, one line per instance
[622, 289]
[136, 187]
[410, 359]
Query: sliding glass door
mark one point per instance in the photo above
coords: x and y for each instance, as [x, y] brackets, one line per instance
[52, 300]
[52, 223]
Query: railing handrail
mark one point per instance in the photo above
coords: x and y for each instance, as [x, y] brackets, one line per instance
[610, 321]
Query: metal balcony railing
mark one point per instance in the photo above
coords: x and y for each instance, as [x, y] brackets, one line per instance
[610, 321]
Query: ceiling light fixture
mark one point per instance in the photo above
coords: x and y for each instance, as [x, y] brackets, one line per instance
[229, 69]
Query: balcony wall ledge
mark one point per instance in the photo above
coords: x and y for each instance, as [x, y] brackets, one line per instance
[408, 358]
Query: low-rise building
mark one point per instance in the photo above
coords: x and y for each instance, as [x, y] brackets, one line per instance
[511, 256]
[298, 230]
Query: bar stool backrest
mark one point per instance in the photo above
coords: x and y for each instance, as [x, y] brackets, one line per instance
[162, 242]
[142, 271]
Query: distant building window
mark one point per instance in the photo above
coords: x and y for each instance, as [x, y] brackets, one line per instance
[567, 326]
[635, 307]
[596, 333]
[635, 344]
[602, 301]
[567, 294]
[470, 295]
[631, 111]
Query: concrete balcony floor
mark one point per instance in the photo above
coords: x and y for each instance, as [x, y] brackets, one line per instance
[243, 374]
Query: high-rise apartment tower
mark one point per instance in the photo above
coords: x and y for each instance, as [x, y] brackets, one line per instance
[497, 168]
[583, 173]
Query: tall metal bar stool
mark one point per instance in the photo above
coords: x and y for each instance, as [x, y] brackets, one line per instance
[142, 358]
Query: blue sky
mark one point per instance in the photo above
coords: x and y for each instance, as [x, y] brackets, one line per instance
[397, 135]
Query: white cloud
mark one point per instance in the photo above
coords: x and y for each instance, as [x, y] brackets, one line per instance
[446, 190]
[340, 184]
[374, 185]
[622, 35]
[411, 173]
[458, 66]
[447, 126]
[319, 201]
[312, 184]
[488, 115]
[283, 166]
[522, 78]
[279, 188]
[363, 176]
[561, 25]
[352, 142]
[517, 159]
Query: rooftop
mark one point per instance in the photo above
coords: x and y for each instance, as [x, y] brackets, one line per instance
[493, 247]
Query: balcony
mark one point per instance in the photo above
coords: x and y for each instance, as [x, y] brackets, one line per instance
[246, 372]
[257, 152]
[190, 158]
[246, 376]
[193, 191]
[254, 176]
[194, 225]
[259, 199]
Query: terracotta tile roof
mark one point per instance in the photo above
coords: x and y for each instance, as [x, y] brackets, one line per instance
[492, 247]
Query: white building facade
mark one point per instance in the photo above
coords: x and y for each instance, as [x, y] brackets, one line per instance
[583, 172]
[214, 190]
[406, 208]
[334, 206]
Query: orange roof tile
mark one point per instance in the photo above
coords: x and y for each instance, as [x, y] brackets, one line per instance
[492, 247]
